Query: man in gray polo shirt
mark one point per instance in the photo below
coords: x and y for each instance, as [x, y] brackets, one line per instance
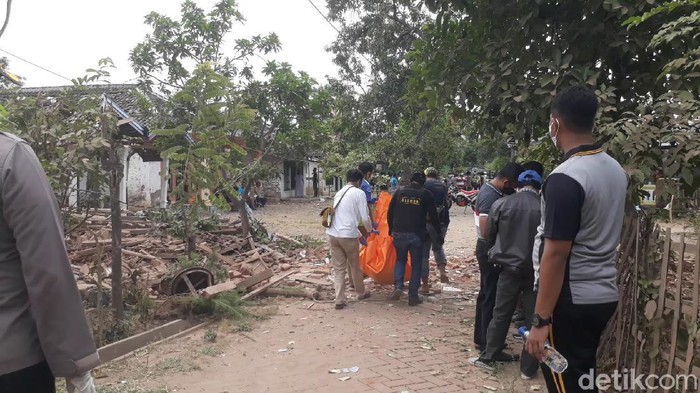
[575, 250]
[43, 330]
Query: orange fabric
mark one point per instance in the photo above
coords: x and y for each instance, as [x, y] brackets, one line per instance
[378, 258]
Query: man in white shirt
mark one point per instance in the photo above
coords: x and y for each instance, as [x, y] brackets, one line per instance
[351, 214]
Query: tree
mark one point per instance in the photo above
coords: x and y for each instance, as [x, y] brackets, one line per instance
[76, 136]
[201, 149]
[63, 128]
[659, 137]
[501, 63]
[375, 37]
[188, 61]
[167, 57]
[292, 113]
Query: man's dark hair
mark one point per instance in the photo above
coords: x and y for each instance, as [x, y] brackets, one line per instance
[577, 106]
[384, 187]
[511, 171]
[418, 177]
[366, 167]
[535, 166]
[354, 175]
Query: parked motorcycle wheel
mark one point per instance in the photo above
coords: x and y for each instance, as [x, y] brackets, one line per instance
[461, 201]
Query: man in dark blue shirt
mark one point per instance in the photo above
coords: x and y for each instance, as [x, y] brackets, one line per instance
[439, 191]
[406, 217]
[367, 169]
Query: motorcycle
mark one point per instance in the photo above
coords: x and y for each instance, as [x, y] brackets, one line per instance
[463, 198]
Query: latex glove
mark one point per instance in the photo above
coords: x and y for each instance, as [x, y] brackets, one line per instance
[81, 384]
[375, 225]
[375, 232]
[363, 241]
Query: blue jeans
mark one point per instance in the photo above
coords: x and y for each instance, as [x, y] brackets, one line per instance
[404, 243]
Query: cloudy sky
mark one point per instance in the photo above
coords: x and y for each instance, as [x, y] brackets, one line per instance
[69, 36]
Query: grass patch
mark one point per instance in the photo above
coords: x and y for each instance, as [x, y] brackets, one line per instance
[210, 335]
[226, 306]
[212, 351]
[178, 365]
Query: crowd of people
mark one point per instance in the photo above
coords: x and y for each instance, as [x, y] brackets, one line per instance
[546, 246]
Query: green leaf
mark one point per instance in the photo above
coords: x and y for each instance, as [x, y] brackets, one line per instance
[170, 132]
[171, 152]
[673, 169]
[687, 176]
[567, 60]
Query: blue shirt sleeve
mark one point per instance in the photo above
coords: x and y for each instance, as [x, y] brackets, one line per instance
[367, 188]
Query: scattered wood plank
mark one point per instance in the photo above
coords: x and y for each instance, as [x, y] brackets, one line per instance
[313, 281]
[263, 288]
[226, 231]
[289, 239]
[138, 254]
[227, 286]
[253, 258]
[298, 292]
[108, 242]
[137, 231]
[209, 251]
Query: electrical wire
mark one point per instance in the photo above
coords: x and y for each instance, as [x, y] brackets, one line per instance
[36, 65]
[333, 26]
[324, 16]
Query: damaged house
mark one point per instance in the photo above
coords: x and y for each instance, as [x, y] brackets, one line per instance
[142, 184]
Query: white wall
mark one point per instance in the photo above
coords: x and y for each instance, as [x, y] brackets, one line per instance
[143, 182]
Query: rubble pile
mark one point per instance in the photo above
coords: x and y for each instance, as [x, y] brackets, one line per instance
[229, 261]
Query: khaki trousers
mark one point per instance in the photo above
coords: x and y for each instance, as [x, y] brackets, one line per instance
[345, 253]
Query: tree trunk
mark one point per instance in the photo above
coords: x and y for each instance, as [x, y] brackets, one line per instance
[115, 207]
[190, 235]
[243, 212]
[115, 175]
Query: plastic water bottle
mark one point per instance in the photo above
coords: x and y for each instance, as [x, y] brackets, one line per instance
[554, 360]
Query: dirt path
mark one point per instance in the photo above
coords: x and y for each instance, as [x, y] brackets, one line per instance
[302, 219]
[397, 348]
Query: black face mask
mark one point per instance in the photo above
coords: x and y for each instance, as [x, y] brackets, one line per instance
[509, 191]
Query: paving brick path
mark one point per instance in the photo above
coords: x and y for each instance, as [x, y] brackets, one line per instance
[397, 348]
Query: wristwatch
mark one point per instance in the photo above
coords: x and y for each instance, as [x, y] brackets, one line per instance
[538, 321]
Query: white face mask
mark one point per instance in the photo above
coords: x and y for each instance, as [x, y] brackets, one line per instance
[553, 137]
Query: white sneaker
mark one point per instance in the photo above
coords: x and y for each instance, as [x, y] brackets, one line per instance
[525, 377]
[476, 361]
